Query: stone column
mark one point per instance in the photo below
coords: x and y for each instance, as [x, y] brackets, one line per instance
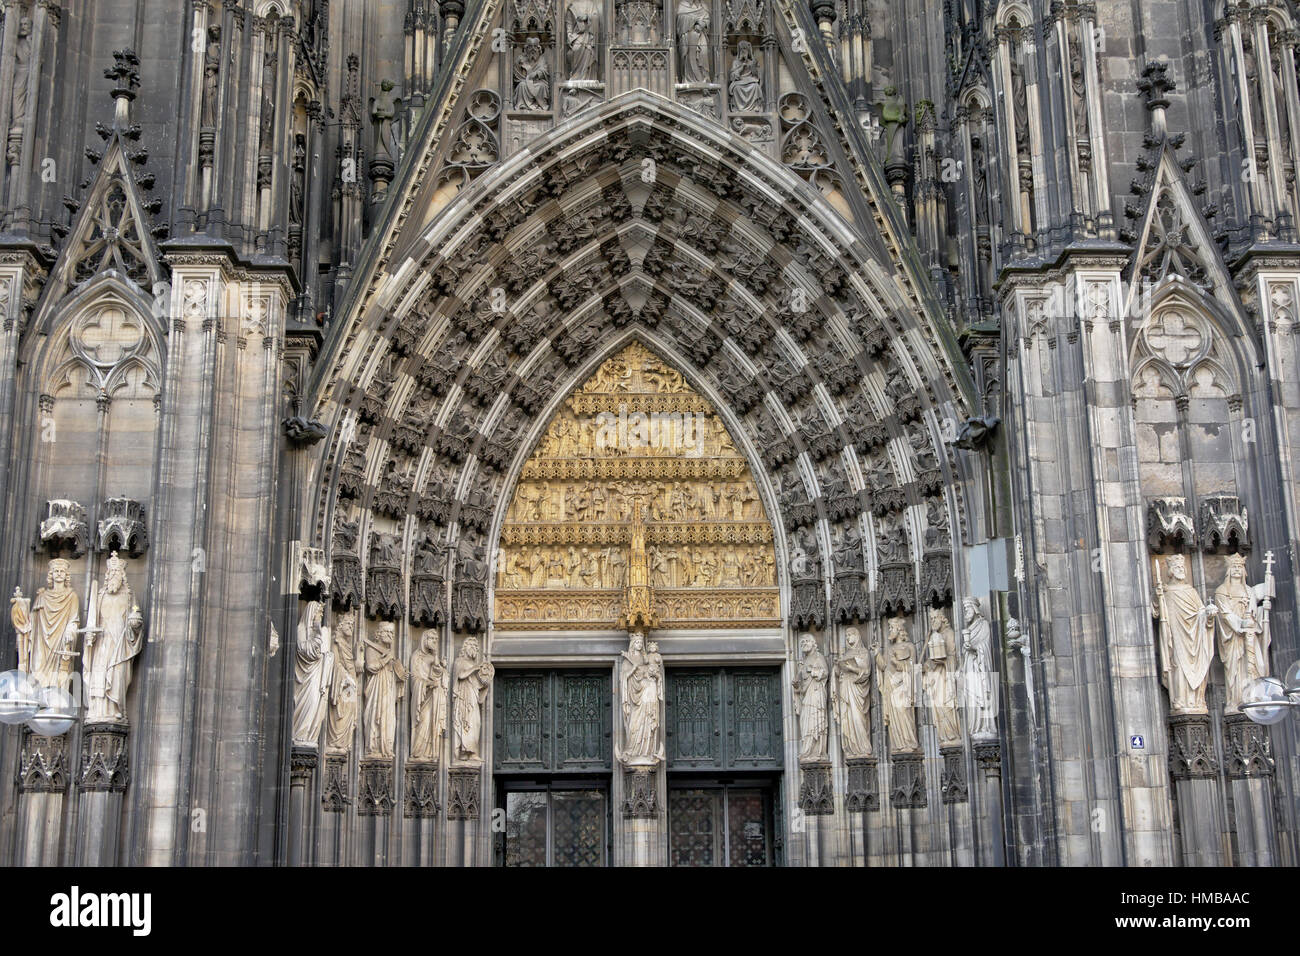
[988, 760]
[906, 795]
[862, 806]
[1198, 810]
[332, 844]
[42, 790]
[1250, 788]
[643, 816]
[375, 802]
[302, 787]
[101, 789]
[464, 800]
[420, 807]
[955, 790]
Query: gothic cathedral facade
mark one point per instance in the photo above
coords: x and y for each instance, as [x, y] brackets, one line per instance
[649, 432]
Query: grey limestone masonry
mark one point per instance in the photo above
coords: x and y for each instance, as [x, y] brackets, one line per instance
[989, 310]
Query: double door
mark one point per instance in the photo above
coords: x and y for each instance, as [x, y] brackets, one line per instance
[720, 825]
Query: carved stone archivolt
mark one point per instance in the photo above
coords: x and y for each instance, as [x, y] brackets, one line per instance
[636, 435]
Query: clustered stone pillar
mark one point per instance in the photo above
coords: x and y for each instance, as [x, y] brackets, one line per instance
[42, 787]
[101, 788]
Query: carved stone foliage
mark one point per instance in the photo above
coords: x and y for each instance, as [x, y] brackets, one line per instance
[816, 791]
[345, 576]
[334, 788]
[64, 528]
[122, 527]
[953, 783]
[862, 794]
[43, 764]
[463, 794]
[1169, 527]
[1191, 748]
[907, 781]
[1247, 748]
[103, 758]
[375, 796]
[384, 577]
[640, 793]
[421, 791]
[428, 605]
[1225, 527]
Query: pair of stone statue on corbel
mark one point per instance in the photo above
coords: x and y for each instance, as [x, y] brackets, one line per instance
[48, 626]
[1187, 627]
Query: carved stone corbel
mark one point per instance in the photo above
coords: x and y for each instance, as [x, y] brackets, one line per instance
[1191, 751]
[463, 794]
[64, 528]
[640, 793]
[103, 758]
[816, 794]
[43, 764]
[375, 796]
[907, 781]
[421, 790]
[862, 794]
[334, 789]
[952, 782]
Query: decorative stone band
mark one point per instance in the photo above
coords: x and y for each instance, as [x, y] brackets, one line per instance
[43, 766]
[302, 764]
[421, 789]
[103, 758]
[640, 793]
[989, 757]
[953, 784]
[1191, 751]
[1249, 753]
[863, 793]
[463, 794]
[907, 781]
[375, 795]
[816, 792]
[334, 793]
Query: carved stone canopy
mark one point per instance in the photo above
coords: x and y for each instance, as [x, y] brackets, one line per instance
[122, 527]
[1169, 526]
[64, 528]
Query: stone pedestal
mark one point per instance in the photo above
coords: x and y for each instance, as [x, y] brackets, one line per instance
[907, 781]
[862, 808]
[817, 804]
[1250, 768]
[335, 799]
[464, 799]
[42, 789]
[1198, 809]
[375, 802]
[303, 762]
[643, 820]
[988, 764]
[101, 786]
[954, 790]
[420, 808]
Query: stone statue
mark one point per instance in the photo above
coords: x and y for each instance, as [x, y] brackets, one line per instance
[55, 614]
[473, 679]
[385, 685]
[938, 676]
[343, 686]
[810, 697]
[211, 76]
[893, 117]
[897, 688]
[641, 685]
[980, 696]
[745, 90]
[20, 614]
[383, 110]
[22, 64]
[430, 680]
[851, 696]
[1186, 641]
[532, 78]
[311, 673]
[581, 43]
[112, 646]
[693, 65]
[1244, 636]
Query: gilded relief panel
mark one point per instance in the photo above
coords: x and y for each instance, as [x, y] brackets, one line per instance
[636, 467]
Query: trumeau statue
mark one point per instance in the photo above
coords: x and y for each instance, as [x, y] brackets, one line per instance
[1243, 625]
[385, 684]
[313, 657]
[1186, 637]
[473, 679]
[851, 696]
[980, 697]
[938, 676]
[810, 701]
[641, 686]
[47, 627]
[430, 680]
[111, 647]
[343, 686]
[896, 665]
